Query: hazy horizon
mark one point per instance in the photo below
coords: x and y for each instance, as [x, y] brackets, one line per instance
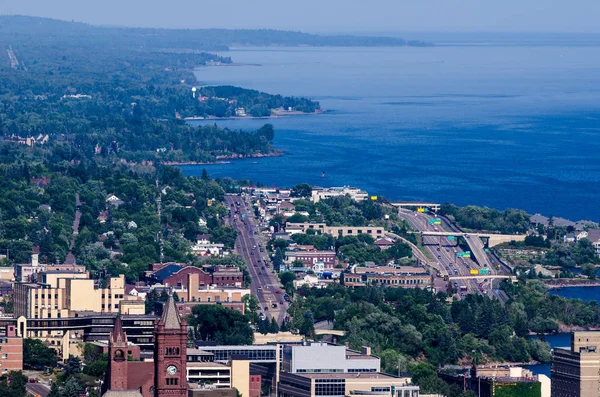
[332, 16]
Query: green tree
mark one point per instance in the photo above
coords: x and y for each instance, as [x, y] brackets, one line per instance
[36, 354]
[73, 366]
[589, 270]
[222, 325]
[302, 190]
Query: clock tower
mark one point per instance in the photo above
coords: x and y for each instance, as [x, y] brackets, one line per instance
[170, 356]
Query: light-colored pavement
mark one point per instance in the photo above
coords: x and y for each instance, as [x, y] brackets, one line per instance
[265, 284]
[39, 389]
[445, 251]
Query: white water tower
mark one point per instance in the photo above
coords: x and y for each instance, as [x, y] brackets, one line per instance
[194, 92]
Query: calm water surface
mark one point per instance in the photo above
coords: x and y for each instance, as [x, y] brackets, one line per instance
[510, 125]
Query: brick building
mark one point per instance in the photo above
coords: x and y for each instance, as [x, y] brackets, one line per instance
[162, 377]
[11, 351]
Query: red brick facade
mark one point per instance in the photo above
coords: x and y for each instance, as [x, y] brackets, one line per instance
[166, 376]
[170, 358]
[220, 277]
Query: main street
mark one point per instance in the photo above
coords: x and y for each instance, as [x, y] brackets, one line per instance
[251, 246]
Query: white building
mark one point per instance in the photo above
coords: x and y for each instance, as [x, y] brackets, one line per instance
[320, 193]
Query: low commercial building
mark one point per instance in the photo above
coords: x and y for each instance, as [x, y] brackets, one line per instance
[402, 276]
[176, 275]
[319, 357]
[344, 384]
[230, 297]
[499, 380]
[336, 231]
[575, 372]
[26, 272]
[310, 258]
[321, 193]
[204, 371]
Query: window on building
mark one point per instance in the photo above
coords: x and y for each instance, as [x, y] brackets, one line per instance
[172, 381]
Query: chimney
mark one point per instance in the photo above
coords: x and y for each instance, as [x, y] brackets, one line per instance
[365, 350]
[34, 259]
[192, 288]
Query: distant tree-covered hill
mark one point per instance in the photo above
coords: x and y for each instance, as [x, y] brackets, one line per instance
[23, 27]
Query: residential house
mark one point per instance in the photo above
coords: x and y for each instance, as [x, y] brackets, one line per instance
[114, 201]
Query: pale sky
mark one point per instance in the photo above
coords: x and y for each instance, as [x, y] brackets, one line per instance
[351, 16]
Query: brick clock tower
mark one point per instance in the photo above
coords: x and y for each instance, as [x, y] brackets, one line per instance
[170, 356]
[117, 353]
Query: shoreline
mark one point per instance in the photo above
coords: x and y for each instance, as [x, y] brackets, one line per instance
[222, 160]
[276, 115]
[557, 284]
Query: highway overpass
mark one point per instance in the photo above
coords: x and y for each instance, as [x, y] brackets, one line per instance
[329, 332]
[434, 206]
[493, 239]
[482, 277]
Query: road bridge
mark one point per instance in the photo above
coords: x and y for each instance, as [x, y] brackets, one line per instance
[483, 276]
[434, 206]
[493, 239]
[329, 332]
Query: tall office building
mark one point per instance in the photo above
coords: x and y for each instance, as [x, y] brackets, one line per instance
[576, 372]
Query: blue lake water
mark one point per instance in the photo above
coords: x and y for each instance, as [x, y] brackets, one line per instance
[515, 124]
[585, 293]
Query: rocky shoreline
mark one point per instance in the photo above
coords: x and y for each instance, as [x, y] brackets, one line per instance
[224, 159]
[569, 283]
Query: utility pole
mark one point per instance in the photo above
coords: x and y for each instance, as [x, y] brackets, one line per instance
[158, 206]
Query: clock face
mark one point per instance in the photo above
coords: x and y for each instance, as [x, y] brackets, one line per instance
[171, 370]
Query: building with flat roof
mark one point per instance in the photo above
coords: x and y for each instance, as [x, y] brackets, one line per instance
[502, 380]
[575, 372]
[336, 231]
[310, 258]
[344, 384]
[323, 193]
[319, 357]
[11, 351]
[63, 294]
[401, 276]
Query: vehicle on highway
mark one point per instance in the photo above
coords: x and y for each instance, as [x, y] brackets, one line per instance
[266, 308]
[251, 252]
[259, 289]
[278, 292]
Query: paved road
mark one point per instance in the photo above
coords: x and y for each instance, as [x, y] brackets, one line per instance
[445, 251]
[265, 285]
[37, 388]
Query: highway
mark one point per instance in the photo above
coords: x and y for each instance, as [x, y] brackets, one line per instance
[265, 285]
[444, 251]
